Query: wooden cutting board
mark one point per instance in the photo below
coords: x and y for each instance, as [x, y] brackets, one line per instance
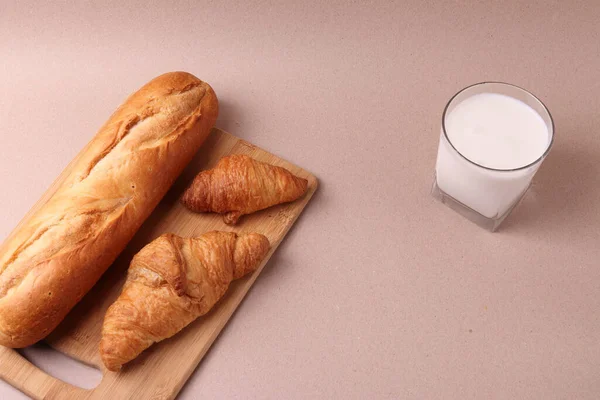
[161, 371]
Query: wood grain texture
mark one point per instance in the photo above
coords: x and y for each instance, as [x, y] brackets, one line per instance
[161, 371]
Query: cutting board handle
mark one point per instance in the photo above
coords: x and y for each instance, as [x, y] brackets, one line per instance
[26, 377]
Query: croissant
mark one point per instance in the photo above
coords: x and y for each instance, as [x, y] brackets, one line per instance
[240, 185]
[171, 282]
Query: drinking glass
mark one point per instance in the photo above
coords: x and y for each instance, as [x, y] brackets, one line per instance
[485, 195]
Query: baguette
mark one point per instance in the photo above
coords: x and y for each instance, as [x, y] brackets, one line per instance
[55, 257]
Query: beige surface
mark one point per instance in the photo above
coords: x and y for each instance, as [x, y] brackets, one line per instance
[378, 291]
[161, 371]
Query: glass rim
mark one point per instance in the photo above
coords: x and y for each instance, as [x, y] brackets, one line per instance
[537, 160]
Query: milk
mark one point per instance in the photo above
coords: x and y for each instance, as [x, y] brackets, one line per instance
[498, 145]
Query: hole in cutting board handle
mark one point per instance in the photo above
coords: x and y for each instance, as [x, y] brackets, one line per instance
[62, 367]
[9, 392]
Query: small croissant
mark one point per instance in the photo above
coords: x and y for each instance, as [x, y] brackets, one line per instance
[171, 282]
[240, 185]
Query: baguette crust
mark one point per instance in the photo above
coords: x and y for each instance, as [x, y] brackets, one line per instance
[60, 252]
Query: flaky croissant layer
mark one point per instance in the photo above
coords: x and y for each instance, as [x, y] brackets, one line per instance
[171, 282]
[240, 185]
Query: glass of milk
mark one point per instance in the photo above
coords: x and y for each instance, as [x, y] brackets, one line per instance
[494, 138]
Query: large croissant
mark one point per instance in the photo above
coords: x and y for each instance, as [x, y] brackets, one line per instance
[171, 282]
[240, 185]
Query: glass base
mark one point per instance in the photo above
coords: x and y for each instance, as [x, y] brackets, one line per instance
[490, 224]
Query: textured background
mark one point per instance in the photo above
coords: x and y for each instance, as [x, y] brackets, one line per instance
[378, 292]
